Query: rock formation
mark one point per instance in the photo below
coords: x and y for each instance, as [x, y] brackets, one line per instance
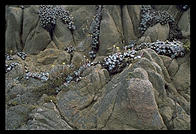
[53, 83]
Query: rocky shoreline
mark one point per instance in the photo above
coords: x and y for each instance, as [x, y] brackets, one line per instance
[97, 70]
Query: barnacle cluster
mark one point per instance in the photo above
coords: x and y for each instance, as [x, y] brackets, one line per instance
[50, 13]
[10, 66]
[22, 55]
[150, 17]
[96, 32]
[172, 49]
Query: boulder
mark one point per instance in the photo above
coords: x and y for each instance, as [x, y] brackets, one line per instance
[109, 34]
[46, 117]
[158, 32]
[134, 13]
[173, 68]
[184, 23]
[30, 21]
[128, 27]
[13, 30]
[37, 40]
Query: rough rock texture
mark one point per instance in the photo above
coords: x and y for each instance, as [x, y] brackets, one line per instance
[13, 28]
[184, 23]
[158, 32]
[151, 93]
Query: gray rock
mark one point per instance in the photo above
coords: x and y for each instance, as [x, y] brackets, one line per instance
[13, 29]
[158, 32]
[184, 22]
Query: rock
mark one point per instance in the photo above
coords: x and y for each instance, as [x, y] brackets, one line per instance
[80, 97]
[30, 21]
[182, 77]
[78, 59]
[166, 60]
[158, 32]
[160, 63]
[52, 45]
[128, 29]
[171, 9]
[134, 13]
[173, 68]
[182, 120]
[143, 102]
[46, 117]
[62, 36]
[157, 82]
[184, 23]
[53, 56]
[37, 40]
[139, 73]
[13, 30]
[144, 39]
[82, 20]
[108, 32]
[115, 12]
[16, 116]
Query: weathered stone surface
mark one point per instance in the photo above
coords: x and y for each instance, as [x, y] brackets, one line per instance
[16, 115]
[134, 13]
[151, 93]
[13, 29]
[75, 104]
[109, 34]
[184, 22]
[158, 32]
[143, 102]
[173, 68]
[144, 39]
[46, 117]
[182, 77]
[128, 27]
[77, 59]
[30, 21]
[53, 56]
[37, 40]
[62, 36]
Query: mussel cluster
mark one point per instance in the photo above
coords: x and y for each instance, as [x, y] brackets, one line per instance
[172, 49]
[50, 13]
[8, 57]
[76, 75]
[116, 62]
[43, 76]
[96, 31]
[183, 7]
[10, 66]
[150, 17]
[130, 45]
[69, 49]
[22, 55]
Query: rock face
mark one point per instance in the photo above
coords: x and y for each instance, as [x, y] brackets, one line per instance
[13, 28]
[158, 32]
[150, 93]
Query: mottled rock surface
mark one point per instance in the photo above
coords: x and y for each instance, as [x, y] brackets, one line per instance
[150, 93]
